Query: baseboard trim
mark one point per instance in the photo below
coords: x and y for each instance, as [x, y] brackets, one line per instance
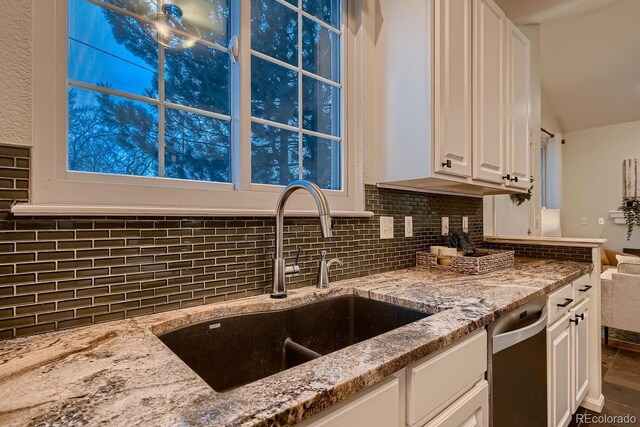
[594, 405]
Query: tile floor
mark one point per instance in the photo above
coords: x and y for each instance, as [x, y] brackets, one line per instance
[620, 384]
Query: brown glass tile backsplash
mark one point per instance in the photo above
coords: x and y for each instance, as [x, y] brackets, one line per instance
[58, 273]
[563, 253]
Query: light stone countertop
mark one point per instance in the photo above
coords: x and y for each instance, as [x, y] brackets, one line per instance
[120, 373]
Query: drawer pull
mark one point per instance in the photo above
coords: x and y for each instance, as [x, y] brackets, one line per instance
[566, 302]
[574, 321]
[585, 289]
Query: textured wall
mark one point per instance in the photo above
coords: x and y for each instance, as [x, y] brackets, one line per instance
[63, 272]
[15, 72]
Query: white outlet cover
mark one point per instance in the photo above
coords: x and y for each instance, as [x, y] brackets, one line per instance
[465, 224]
[386, 227]
[408, 226]
[445, 225]
[601, 221]
[584, 221]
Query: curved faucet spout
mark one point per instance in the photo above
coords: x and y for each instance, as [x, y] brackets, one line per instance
[324, 214]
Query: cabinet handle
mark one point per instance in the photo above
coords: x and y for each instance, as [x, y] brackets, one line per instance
[447, 164]
[580, 316]
[574, 321]
[567, 301]
[514, 179]
[507, 176]
[585, 289]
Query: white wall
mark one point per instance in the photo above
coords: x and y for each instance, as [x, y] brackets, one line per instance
[15, 72]
[592, 181]
[548, 118]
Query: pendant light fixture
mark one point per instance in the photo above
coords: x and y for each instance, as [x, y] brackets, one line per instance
[172, 30]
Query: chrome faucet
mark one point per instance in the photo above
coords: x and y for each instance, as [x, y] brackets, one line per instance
[323, 270]
[280, 270]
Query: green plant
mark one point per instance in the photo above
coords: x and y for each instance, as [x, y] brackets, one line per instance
[462, 241]
[520, 198]
[631, 209]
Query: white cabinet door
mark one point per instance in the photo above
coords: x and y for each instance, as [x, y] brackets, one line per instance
[579, 353]
[471, 410]
[489, 122]
[378, 406]
[559, 372]
[489, 110]
[518, 107]
[452, 87]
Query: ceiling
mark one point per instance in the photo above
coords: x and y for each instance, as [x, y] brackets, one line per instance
[589, 58]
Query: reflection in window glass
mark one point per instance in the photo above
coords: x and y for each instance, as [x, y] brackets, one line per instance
[109, 134]
[274, 155]
[327, 10]
[275, 89]
[320, 107]
[321, 50]
[322, 161]
[111, 50]
[274, 30]
[198, 77]
[274, 92]
[111, 53]
[197, 147]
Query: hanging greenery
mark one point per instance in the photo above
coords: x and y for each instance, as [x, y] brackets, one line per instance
[520, 198]
[631, 209]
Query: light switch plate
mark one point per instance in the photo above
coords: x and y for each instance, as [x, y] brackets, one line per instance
[465, 224]
[386, 227]
[445, 225]
[408, 226]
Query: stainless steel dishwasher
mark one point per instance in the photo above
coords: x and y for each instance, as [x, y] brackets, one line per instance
[518, 367]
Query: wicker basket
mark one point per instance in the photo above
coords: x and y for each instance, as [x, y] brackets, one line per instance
[492, 261]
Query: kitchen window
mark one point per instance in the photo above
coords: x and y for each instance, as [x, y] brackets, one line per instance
[208, 104]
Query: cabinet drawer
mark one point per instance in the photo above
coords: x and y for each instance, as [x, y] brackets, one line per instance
[581, 288]
[559, 303]
[439, 379]
[472, 409]
[378, 406]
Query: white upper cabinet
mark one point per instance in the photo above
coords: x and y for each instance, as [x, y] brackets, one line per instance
[444, 94]
[452, 87]
[489, 110]
[518, 107]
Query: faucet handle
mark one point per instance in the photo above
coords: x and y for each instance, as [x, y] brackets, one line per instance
[293, 269]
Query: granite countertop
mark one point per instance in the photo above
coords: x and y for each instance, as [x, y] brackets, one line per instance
[120, 373]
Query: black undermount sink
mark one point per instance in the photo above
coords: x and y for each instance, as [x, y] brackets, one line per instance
[234, 351]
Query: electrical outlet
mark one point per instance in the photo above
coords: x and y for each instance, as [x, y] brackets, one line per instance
[465, 224]
[584, 221]
[408, 226]
[386, 227]
[445, 225]
[601, 221]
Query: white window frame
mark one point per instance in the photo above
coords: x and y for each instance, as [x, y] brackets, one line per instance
[54, 190]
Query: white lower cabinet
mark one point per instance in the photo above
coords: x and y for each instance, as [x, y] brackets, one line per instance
[567, 352]
[471, 410]
[559, 373]
[445, 389]
[579, 353]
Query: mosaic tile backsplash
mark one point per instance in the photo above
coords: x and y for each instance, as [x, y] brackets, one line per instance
[58, 273]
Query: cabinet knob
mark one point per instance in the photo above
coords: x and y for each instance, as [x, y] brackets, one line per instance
[447, 164]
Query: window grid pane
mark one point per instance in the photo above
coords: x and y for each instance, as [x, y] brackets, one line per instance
[124, 73]
[318, 101]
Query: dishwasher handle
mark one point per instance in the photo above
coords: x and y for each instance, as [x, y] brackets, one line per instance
[508, 339]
